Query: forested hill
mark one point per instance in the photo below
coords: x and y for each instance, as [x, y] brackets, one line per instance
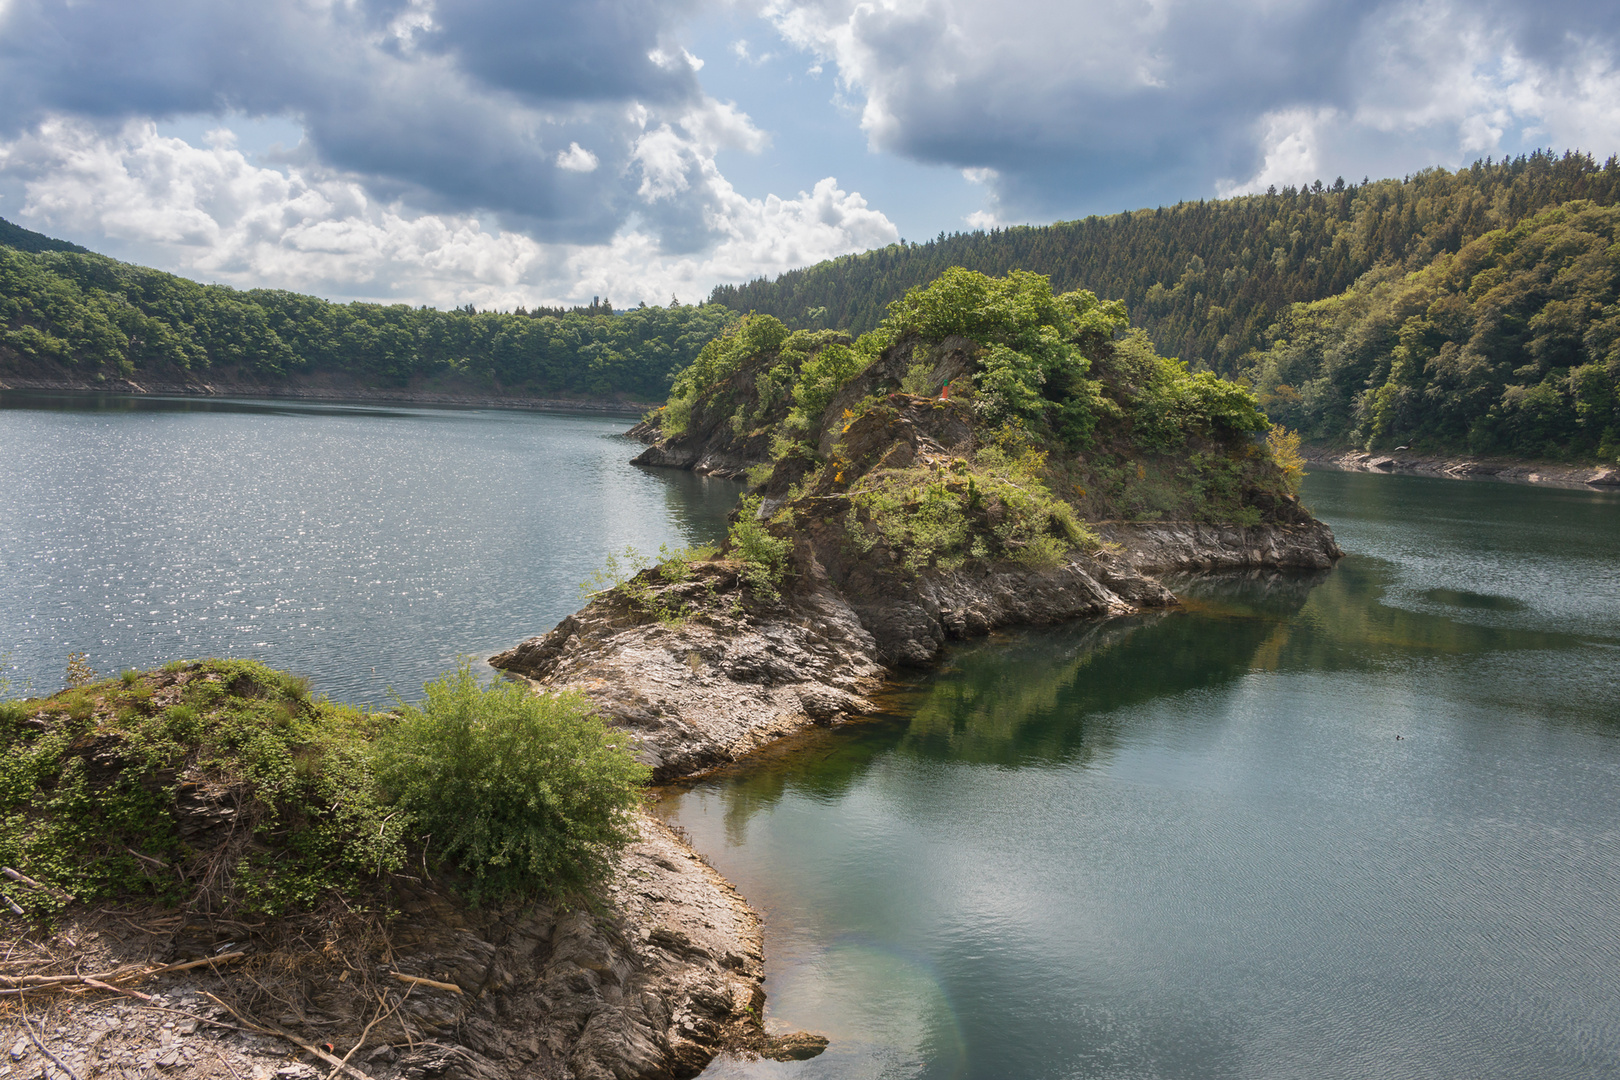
[69, 317]
[1206, 279]
[27, 240]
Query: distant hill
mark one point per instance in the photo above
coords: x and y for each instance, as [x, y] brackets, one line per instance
[1206, 279]
[70, 318]
[27, 240]
[1283, 288]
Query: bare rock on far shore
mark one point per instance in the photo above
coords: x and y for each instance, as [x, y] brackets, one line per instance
[1518, 472]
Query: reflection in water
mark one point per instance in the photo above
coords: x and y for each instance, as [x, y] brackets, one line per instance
[1361, 823]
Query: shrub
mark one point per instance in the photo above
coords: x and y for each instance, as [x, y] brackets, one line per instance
[764, 557]
[297, 772]
[1284, 446]
[530, 793]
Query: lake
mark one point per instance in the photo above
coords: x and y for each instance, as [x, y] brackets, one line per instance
[1364, 822]
[365, 547]
[1361, 823]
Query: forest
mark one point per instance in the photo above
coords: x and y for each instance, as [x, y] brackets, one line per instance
[64, 308]
[1296, 291]
[1457, 312]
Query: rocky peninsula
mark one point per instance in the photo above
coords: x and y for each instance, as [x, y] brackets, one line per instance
[893, 515]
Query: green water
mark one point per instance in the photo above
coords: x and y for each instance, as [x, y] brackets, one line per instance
[1361, 823]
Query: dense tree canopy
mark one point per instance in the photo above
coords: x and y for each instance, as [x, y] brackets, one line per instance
[1510, 345]
[99, 316]
[1206, 279]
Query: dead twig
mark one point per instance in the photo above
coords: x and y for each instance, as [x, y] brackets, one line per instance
[192, 1016]
[235, 1075]
[159, 863]
[24, 879]
[28, 1027]
[309, 1048]
[417, 980]
[364, 1035]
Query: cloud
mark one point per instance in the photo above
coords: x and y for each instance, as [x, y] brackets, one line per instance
[463, 107]
[1082, 105]
[211, 213]
[577, 159]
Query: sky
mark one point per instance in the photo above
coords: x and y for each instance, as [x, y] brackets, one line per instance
[514, 152]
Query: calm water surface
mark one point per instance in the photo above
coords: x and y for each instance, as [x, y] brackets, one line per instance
[1364, 823]
[365, 547]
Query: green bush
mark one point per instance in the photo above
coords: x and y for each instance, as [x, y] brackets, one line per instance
[764, 557]
[530, 793]
[297, 771]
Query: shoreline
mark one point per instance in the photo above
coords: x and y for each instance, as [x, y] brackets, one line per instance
[335, 395]
[1447, 467]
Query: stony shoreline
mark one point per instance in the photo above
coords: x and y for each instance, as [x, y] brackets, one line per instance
[334, 394]
[657, 987]
[731, 675]
[1587, 477]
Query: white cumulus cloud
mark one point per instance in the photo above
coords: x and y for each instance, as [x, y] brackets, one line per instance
[577, 159]
[211, 213]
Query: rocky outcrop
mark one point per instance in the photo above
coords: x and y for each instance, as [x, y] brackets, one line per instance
[704, 672]
[662, 978]
[1162, 547]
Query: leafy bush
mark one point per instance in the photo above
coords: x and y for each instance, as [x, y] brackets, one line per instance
[997, 505]
[1284, 447]
[764, 557]
[530, 793]
[308, 818]
[749, 336]
[1035, 364]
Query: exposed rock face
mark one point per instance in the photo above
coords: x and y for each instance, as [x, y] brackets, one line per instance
[717, 685]
[655, 987]
[733, 674]
[1159, 547]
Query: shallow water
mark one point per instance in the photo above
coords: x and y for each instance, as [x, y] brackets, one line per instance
[366, 547]
[1357, 823]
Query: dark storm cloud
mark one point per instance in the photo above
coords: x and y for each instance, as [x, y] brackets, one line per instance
[458, 105]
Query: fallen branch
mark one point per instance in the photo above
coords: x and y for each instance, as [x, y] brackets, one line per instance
[24, 879]
[309, 1048]
[60, 1064]
[102, 979]
[159, 863]
[97, 984]
[417, 980]
[12, 904]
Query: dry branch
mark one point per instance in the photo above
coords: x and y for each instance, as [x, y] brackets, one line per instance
[60, 1064]
[24, 879]
[417, 980]
[309, 1048]
[103, 980]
